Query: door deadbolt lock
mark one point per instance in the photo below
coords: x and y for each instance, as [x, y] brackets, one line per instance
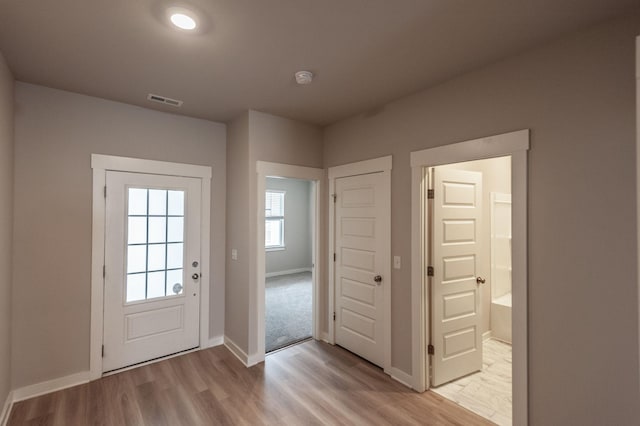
[480, 280]
[195, 264]
[195, 276]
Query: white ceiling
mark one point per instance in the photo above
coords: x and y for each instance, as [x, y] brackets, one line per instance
[364, 52]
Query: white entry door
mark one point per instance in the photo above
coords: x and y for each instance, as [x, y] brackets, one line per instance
[455, 294]
[361, 205]
[152, 256]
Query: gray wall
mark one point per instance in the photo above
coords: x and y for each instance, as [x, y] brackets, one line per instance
[266, 138]
[56, 133]
[496, 177]
[236, 325]
[577, 96]
[6, 228]
[297, 227]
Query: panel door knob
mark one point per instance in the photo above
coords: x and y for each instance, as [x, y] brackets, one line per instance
[195, 276]
[480, 280]
[377, 279]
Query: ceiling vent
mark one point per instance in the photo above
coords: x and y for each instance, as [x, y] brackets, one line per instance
[162, 100]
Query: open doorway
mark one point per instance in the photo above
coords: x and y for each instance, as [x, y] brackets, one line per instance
[288, 262]
[469, 208]
[257, 302]
[515, 145]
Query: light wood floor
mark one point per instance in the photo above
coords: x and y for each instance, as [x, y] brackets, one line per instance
[307, 384]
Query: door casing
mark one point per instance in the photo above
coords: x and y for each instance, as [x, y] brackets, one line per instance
[382, 164]
[100, 165]
[516, 145]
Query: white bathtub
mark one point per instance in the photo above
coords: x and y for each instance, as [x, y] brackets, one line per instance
[501, 318]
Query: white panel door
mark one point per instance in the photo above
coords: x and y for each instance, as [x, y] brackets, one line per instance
[152, 255]
[360, 261]
[455, 294]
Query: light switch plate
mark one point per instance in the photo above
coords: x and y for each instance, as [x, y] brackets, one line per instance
[396, 262]
[234, 254]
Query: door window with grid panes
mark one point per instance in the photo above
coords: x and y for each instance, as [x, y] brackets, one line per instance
[155, 243]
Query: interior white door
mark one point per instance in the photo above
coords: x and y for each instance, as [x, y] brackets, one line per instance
[361, 264]
[152, 255]
[455, 294]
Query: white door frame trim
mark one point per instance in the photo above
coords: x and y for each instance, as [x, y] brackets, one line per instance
[515, 144]
[257, 327]
[100, 165]
[384, 165]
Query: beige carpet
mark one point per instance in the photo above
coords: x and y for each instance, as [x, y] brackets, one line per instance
[287, 310]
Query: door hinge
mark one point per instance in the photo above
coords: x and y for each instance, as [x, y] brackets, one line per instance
[105, 191]
[334, 257]
[104, 271]
[431, 350]
[334, 316]
[335, 197]
[430, 194]
[102, 351]
[430, 271]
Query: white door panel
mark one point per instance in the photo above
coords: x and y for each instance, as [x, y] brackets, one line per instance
[456, 333]
[151, 295]
[360, 257]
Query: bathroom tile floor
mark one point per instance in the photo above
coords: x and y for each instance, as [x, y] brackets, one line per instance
[487, 392]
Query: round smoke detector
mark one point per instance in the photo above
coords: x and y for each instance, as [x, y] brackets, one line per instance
[304, 77]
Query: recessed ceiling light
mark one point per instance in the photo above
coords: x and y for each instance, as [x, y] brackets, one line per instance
[183, 21]
[182, 18]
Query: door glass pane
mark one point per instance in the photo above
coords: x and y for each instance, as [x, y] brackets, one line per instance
[137, 230]
[155, 218]
[174, 256]
[155, 284]
[176, 203]
[137, 259]
[175, 229]
[156, 257]
[157, 229]
[157, 202]
[135, 287]
[174, 277]
[137, 201]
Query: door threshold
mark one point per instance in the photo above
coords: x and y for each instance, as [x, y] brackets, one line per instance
[297, 342]
[151, 361]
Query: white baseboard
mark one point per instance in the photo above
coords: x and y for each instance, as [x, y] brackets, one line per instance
[236, 350]
[254, 359]
[288, 272]
[486, 335]
[49, 386]
[6, 409]
[324, 336]
[215, 341]
[247, 360]
[400, 376]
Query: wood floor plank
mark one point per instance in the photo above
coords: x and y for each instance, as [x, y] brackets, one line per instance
[311, 383]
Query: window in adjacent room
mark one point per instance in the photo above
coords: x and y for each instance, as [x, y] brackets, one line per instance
[274, 220]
